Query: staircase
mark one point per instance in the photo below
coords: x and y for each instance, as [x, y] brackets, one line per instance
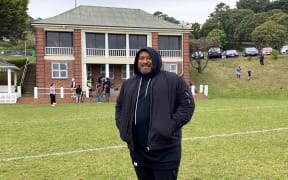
[29, 81]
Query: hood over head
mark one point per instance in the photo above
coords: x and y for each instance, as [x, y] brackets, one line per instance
[156, 61]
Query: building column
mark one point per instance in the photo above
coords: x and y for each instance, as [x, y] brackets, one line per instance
[9, 80]
[106, 45]
[15, 80]
[127, 46]
[107, 70]
[127, 71]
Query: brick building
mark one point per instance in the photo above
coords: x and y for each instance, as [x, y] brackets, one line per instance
[103, 41]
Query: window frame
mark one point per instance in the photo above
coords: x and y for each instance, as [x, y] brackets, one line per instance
[59, 70]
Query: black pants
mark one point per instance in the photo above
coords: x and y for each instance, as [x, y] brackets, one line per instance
[52, 98]
[152, 174]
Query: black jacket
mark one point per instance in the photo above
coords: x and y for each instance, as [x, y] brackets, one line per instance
[172, 106]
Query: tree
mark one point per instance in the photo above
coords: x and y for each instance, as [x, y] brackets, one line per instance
[255, 5]
[280, 4]
[270, 33]
[219, 35]
[195, 33]
[201, 44]
[13, 21]
[247, 25]
[166, 17]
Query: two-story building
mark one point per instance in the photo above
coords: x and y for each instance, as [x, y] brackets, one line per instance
[103, 41]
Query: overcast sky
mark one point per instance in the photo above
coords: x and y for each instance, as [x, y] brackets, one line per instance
[182, 10]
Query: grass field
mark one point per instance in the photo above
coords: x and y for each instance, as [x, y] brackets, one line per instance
[228, 138]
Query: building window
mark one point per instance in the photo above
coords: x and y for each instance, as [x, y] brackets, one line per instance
[95, 44]
[103, 70]
[170, 46]
[117, 44]
[123, 71]
[171, 68]
[59, 39]
[137, 42]
[59, 70]
[169, 43]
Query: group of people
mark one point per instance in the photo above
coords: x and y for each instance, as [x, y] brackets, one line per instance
[238, 73]
[103, 88]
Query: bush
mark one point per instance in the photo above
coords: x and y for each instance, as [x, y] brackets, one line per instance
[274, 54]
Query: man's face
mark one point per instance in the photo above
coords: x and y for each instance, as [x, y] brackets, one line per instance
[145, 64]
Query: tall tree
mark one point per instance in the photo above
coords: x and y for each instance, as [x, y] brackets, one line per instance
[195, 33]
[218, 35]
[255, 5]
[280, 4]
[270, 33]
[14, 18]
[166, 17]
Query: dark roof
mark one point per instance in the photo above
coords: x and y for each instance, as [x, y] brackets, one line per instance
[108, 17]
[6, 65]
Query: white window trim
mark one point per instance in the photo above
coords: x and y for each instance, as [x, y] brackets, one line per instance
[52, 70]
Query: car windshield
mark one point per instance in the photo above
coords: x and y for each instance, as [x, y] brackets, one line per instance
[251, 49]
[267, 49]
[231, 51]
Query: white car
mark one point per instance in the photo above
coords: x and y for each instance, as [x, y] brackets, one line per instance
[284, 49]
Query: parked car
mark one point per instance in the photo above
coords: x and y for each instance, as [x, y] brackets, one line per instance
[284, 49]
[267, 50]
[250, 51]
[230, 53]
[214, 52]
[198, 55]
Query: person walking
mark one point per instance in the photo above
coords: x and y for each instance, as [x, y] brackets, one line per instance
[78, 94]
[52, 92]
[238, 72]
[151, 109]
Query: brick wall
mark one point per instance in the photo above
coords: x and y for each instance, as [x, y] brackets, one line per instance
[40, 52]
[186, 57]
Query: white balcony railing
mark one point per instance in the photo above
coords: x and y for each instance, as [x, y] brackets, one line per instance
[170, 53]
[59, 51]
[95, 52]
[68, 51]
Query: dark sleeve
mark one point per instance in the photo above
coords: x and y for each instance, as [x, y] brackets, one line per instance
[185, 104]
[118, 106]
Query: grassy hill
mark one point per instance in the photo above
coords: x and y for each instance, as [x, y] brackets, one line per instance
[270, 80]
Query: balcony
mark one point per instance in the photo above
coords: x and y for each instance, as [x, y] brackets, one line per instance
[92, 52]
[59, 51]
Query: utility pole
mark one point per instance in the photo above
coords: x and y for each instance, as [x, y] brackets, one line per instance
[75, 3]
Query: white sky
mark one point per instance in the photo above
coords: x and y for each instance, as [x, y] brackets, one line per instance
[182, 10]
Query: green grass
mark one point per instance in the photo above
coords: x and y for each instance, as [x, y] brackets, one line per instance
[241, 132]
[33, 130]
[269, 80]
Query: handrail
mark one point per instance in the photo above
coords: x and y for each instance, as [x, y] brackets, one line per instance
[24, 71]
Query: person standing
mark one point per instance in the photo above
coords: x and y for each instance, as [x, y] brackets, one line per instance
[238, 71]
[261, 58]
[73, 87]
[99, 93]
[107, 92]
[151, 109]
[249, 74]
[78, 94]
[52, 92]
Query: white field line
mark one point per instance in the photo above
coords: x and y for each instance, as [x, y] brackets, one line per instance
[123, 146]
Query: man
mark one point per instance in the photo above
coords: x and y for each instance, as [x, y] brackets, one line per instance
[151, 109]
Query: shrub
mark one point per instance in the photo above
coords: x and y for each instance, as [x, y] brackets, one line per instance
[274, 54]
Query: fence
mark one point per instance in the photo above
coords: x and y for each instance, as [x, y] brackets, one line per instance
[40, 92]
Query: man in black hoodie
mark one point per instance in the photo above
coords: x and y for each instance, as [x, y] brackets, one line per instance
[151, 109]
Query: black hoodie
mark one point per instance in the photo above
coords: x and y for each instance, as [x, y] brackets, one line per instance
[170, 106]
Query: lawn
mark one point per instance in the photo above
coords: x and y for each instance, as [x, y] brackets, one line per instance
[228, 138]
